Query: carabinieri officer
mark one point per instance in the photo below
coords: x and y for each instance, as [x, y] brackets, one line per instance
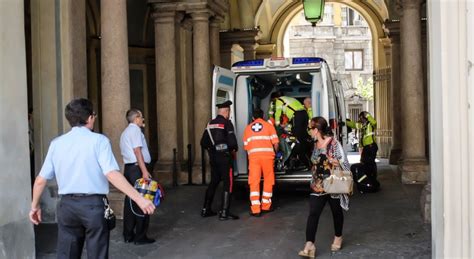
[82, 161]
[220, 141]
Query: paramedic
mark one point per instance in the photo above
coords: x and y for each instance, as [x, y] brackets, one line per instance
[297, 115]
[260, 142]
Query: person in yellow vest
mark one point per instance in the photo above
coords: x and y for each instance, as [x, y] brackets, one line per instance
[260, 141]
[298, 118]
[366, 126]
[307, 106]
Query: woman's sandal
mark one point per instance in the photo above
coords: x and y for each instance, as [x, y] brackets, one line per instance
[336, 247]
[308, 252]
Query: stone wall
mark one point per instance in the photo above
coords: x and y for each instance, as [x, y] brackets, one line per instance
[16, 232]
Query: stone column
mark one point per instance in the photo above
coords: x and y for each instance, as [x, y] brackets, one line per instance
[396, 150]
[165, 53]
[413, 165]
[250, 49]
[17, 236]
[246, 14]
[74, 45]
[202, 79]
[214, 41]
[115, 70]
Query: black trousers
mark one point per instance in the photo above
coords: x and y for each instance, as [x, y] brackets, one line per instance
[300, 129]
[316, 206]
[135, 223]
[81, 218]
[369, 153]
[220, 171]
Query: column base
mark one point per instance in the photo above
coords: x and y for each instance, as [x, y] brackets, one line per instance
[395, 155]
[165, 177]
[164, 165]
[414, 171]
[425, 203]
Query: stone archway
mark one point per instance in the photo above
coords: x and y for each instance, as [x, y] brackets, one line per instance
[273, 29]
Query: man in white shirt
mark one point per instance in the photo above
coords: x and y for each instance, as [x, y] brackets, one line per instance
[137, 160]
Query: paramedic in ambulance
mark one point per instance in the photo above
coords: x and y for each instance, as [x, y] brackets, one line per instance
[298, 117]
[260, 142]
[307, 106]
[220, 141]
[82, 162]
[136, 158]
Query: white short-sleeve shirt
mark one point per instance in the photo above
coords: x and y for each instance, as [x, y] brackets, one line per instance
[80, 161]
[132, 137]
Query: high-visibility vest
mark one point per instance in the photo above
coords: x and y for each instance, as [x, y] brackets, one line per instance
[286, 105]
[259, 137]
[367, 130]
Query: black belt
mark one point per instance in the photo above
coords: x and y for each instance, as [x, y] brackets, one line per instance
[82, 195]
[131, 164]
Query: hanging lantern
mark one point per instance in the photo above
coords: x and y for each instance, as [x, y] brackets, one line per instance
[313, 10]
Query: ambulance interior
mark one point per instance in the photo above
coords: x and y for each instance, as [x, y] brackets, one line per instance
[297, 84]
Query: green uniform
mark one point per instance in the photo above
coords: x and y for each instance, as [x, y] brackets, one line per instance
[367, 130]
[310, 112]
[285, 105]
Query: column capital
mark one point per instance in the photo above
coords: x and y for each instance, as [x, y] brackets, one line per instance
[409, 4]
[201, 15]
[187, 24]
[160, 16]
[179, 17]
[393, 30]
[216, 21]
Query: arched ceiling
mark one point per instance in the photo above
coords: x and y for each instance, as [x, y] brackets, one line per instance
[272, 13]
[273, 16]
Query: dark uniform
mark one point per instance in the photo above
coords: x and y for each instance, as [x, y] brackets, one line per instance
[221, 147]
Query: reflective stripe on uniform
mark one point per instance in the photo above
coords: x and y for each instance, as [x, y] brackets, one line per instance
[267, 194]
[264, 149]
[273, 136]
[266, 200]
[257, 138]
[254, 194]
[256, 202]
[216, 126]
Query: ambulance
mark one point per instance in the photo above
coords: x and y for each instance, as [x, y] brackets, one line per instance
[250, 83]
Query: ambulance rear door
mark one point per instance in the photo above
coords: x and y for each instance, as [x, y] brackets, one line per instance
[225, 87]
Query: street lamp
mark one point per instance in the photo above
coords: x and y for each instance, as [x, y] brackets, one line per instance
[313, 10]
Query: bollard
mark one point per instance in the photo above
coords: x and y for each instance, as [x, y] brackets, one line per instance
[175, 168]
[203, 165]
[190, 166]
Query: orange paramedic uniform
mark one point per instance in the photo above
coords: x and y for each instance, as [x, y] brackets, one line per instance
[259, 138]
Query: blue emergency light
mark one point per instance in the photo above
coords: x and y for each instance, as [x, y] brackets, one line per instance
[248, 63]
[297, 61]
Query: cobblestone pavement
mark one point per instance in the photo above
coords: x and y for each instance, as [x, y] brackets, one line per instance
[386, 224]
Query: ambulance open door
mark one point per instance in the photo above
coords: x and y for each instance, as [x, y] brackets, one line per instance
[225, 87]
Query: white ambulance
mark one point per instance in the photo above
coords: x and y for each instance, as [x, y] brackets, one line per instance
[250, 83]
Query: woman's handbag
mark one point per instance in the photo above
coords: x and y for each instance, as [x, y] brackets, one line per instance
[339, 182]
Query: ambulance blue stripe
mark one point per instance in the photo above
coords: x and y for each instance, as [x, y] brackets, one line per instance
[225, 80]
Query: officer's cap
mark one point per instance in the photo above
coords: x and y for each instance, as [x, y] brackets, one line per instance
[225, 104]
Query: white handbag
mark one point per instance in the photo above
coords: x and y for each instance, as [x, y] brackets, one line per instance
[339, 182]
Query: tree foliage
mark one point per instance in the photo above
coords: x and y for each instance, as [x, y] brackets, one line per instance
[365, 89]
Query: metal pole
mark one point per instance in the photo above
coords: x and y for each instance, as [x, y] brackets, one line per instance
[203, 165]
[190, 166]
[175, 168]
